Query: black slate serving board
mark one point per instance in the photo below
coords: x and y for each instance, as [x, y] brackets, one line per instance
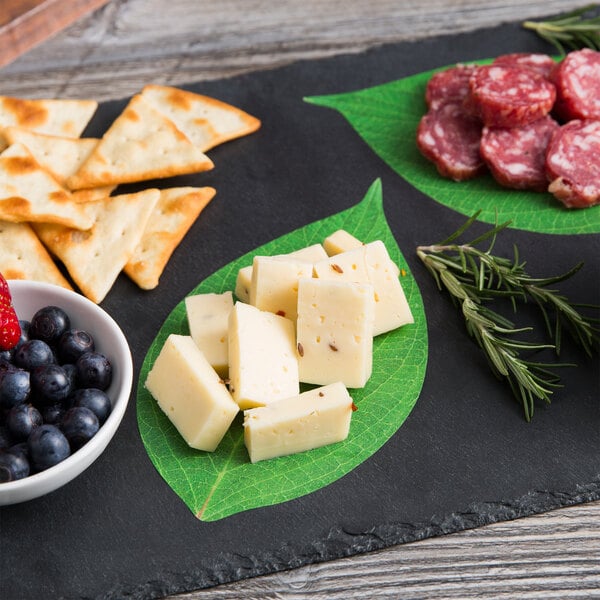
[465, 456]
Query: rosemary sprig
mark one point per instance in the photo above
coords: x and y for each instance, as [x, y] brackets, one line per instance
[474, 277]
[574, 30]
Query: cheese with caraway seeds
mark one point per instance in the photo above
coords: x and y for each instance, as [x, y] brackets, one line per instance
[335, 331]
[191, 393]
[371, 263]
[263, 366]
[208, 317]
[310, 420]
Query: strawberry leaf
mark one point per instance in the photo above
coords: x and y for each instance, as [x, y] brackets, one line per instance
[216, 485]
[387, 116]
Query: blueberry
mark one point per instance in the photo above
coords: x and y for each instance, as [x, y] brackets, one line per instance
[47, 447]
[79, 425]
[73, 343]
[94, 370]
[24, 332]
[33, 353]
[50, 383]
[71, 371]
[53, 413]
[13, 466]
[5, 437]
[48, 324]
[22, 420]
[15, 388]
[94, 399]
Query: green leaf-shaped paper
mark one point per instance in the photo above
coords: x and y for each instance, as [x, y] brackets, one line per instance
[387, 116]
[216, 485]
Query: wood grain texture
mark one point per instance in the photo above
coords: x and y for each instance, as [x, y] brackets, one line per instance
[113, 52]
[26, 23]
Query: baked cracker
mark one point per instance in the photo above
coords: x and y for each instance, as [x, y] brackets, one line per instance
[23, 256]
[206, 121]
[142, 143]
[29, 193]
[52, 116]
[173, 215]
[94, 258]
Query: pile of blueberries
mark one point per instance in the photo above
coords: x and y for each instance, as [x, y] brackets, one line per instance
[52, 394]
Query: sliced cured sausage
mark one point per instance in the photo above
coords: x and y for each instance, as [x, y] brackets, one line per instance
[516, 156]
[577, 81]
[449, 137]
[510, 96]
[540, 63]
[573, 164]
[448, 86]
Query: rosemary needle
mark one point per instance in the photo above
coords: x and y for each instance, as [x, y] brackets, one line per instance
[475, 277]
[574, 30]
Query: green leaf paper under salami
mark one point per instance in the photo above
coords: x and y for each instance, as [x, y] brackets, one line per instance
[218, 484]
[386, 118]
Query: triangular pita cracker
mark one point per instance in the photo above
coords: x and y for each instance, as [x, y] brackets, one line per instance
[94, 258]
[173, 215]
[52, 116]
[142, 143]
[22, 256]
[29, 193]
[206, 121]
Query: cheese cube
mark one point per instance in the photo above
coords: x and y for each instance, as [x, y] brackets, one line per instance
[208, 316]
[340, 241]
[263, 365]
[274, 284]
[242, 284]
[310, 420]
[371, 263]
[335, 331]
[191, 393]
[311, 254]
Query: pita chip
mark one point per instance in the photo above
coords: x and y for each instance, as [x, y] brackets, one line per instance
[206, 121]
[94, 258]
[142, 143]
[52, 116]
[23, 256]
[173, 215]
[29, 193]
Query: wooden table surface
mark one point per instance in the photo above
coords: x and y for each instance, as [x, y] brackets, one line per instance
[115, 50]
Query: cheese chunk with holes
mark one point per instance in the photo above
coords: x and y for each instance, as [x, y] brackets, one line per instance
[208, 318]
[335, 331]
[340, 241]
[263, 365]
[310, 420]
[371, 263]
[274, 284]
[312, 254]
[191, 393]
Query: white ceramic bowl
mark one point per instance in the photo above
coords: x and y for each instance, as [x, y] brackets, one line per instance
[28, 297]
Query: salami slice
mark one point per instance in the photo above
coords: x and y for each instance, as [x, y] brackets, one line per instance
[449, 137]
[448, 86]
[577, 81]
[510, 96]
[516, 156]
[540, 63]
[573, 164]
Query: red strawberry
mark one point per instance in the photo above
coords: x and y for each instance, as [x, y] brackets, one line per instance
[10, 329]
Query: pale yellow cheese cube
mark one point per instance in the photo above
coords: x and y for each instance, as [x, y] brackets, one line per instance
[191, 393]
[310, 420]
[242, 284]
[371, 263]
[335, 331]
[263, 365]
[311, 254]
[340, 241]
[208, 317]
[274, 284]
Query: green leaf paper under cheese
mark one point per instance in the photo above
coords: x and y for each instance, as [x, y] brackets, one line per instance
[216, 485]
[387, 116]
